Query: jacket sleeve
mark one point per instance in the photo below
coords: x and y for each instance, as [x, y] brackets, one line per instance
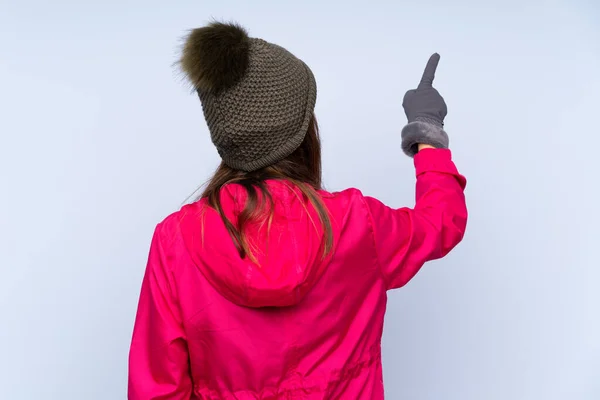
[158, 357]
[407, 238]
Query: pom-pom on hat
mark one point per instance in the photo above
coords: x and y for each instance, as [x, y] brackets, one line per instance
[257, 97]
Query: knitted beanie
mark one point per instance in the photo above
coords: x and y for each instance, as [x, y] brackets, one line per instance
[257, 98]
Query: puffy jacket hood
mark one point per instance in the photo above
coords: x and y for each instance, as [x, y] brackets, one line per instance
[289, 252]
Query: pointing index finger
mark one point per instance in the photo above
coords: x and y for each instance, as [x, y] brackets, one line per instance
[429, 73]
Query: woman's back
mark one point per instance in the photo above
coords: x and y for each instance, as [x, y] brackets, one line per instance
[295, 324]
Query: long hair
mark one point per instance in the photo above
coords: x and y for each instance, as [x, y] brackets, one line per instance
[301, 169]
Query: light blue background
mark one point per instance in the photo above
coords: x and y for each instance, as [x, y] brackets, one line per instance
[100, 139]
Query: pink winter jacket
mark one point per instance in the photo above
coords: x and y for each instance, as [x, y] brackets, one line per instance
[211, 325]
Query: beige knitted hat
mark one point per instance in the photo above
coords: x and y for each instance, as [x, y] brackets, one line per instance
[257, 97]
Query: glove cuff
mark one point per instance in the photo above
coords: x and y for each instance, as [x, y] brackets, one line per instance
[420, 132]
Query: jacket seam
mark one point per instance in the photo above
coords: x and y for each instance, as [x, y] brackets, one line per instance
[323, 387]
[170, 271]
[372, 231]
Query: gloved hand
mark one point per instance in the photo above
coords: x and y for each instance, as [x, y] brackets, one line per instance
[425, 109]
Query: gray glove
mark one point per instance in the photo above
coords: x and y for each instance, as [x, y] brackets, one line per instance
[425, 109]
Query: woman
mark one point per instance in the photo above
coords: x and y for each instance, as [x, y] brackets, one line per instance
[269, 287]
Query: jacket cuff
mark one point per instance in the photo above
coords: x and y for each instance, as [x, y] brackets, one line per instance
[419, 132]
[437, 161]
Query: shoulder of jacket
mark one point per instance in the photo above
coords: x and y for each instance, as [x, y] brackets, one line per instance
[170, 227]
[347, 200]
[349, 194]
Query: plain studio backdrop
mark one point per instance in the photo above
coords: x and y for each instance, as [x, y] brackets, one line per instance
[101, 139]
